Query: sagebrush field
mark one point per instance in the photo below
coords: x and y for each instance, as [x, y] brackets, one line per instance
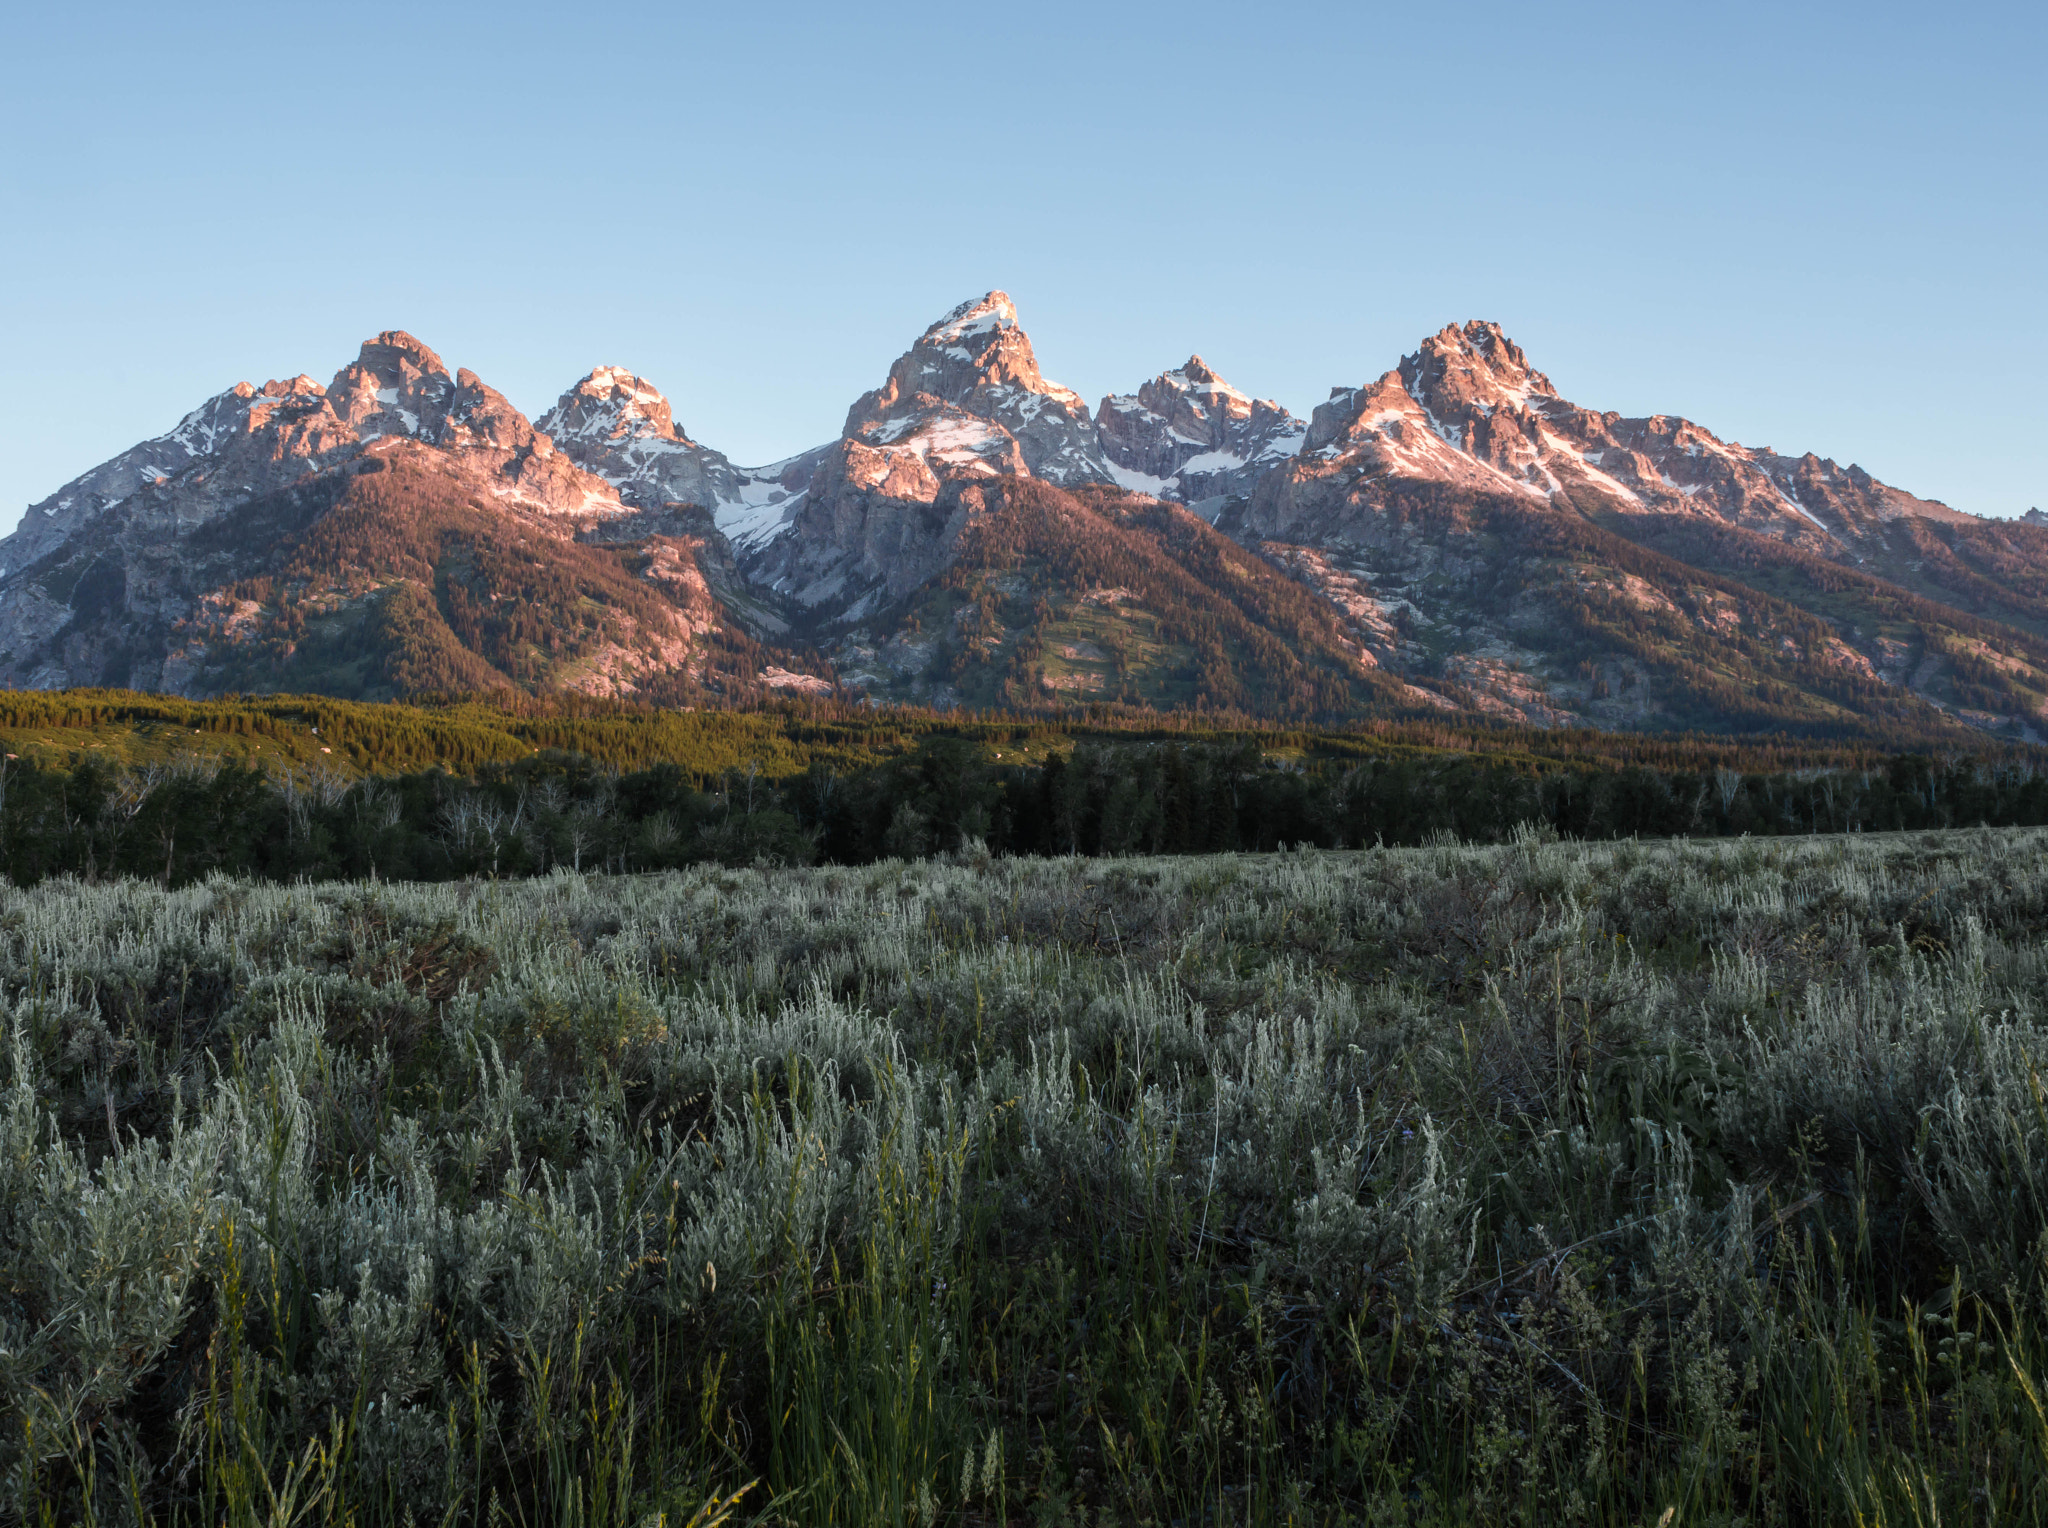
[1540, 1183]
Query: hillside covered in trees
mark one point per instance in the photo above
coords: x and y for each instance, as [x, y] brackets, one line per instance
[98, 784]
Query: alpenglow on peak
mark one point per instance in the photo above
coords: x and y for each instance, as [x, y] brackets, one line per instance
[981, 315]
[1453, 517]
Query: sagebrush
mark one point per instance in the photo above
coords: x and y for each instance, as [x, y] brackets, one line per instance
[1540, 1183]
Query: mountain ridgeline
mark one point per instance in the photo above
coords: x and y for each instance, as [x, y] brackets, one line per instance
[1450, 539]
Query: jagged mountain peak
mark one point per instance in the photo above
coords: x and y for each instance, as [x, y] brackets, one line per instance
[289, 513]
[394, 386]
[398, 386]
[1473, 369]
[977, 360]
[637, 397]
[1384, 427]
[1469, 524]
[261, 432]
[1467, 410]
[1196, 373]
[617, 424]
[612, 403]
[1196, 381]
[394, 359]
[977, 345]
[1189, 435]
[888, 501]
[397, 347]
[976, 316]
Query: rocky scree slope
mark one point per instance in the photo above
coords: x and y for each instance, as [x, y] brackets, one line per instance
[1064, 596]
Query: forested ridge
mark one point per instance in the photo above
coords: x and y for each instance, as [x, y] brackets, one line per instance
[100, 784]
[1228, 633]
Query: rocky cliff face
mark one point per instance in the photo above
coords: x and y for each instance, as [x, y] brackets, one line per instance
[1189, 436]
[278, 530]
[976, 363]
[1459, 492]
[886, 505]
[619, 426]
[1453, 535]
[1468, 410]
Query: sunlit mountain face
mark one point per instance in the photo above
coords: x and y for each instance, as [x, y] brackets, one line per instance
[1449, 537]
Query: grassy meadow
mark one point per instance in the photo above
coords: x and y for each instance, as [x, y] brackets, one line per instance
[1544, 1183]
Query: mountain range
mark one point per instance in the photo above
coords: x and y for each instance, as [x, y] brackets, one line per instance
[1452, 537]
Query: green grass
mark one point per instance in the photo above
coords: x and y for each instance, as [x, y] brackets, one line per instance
[1544, 1183]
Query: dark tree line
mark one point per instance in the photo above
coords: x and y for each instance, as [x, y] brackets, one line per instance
[563, 810]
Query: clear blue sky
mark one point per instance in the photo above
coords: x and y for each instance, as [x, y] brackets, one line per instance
[1809, 227]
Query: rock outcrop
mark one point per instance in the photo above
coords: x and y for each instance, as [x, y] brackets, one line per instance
[885, 506]
[1453, 535]
[620, 427]
[202, 558]
[1467, 410]
[1189, 436]
[976, 363]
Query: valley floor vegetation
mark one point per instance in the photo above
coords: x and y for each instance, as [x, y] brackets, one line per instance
[1540, 1183]
[179, 822]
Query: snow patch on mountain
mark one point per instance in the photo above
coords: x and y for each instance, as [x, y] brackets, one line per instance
[1144, 482]
[760, 507]
[978, 361]
[1194, 434]
[977, 316]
